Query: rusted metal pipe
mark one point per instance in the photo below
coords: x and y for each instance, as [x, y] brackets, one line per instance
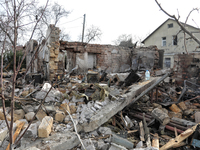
[149, 118]
[172, 129]
[139, 116]
[152, 96]
[171, 123]
[156, 94]
[177, 126]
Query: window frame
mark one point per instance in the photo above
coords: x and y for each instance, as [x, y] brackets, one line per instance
[170, 25]
[164, 40]
[174, 40]
[168, 62]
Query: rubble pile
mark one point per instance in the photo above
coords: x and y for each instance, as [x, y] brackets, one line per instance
[104, 111]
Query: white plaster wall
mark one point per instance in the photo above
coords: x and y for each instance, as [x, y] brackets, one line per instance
[30, 53]
[164, 31]
[91, 60]
[82, 61]
[170, 49]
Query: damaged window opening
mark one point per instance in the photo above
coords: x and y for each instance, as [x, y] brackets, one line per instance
[170, 25]
[91, 60]
[167, 62]
[174, 40]
[164, 43]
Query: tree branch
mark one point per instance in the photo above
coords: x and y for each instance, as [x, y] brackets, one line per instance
[190, 14]
[32, 36]
[2, 89]
[180, 24]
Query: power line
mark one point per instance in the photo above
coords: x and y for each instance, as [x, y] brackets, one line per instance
[74, 27]
[71, 20]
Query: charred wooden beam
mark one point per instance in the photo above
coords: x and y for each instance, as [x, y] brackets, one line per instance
[182, 121]
[148, 89]
[149, 118]
[132, 78]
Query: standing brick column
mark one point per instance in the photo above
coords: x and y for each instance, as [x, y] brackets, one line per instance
[53, 44]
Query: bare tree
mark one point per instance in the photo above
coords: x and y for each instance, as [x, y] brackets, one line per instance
[125, 40]
[58, 12]
[64, 36]
[123, 37]
[182, 26]
[138, 39]
[52, 15]
[92, 34]
[16, 16]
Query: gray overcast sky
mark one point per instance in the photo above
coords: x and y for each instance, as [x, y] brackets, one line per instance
[115, 17]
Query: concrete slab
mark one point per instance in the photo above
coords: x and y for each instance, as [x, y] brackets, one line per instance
[104, 114]
[58, 141]
[61, 141]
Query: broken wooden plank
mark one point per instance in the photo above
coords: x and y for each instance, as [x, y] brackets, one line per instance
[122, 118]
[197, 117]
[155, 141]
[141, 131]
[132, 131]
[175, 130]
[146, 130]
[16, 133]
[179, 139]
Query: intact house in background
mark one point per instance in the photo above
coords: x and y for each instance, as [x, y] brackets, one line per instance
[169, 37]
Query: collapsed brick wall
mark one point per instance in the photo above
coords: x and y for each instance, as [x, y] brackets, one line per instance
[186, 67]
[55, 56]
[114, 57]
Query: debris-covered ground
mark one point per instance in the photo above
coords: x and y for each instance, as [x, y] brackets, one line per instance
[103, 111]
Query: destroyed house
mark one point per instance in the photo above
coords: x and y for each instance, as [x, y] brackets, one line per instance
[55, 58]
[109, 57]
[121, 111]
[96, 56]
[169, 37]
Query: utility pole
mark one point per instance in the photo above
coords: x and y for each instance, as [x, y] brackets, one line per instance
[83, 27]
